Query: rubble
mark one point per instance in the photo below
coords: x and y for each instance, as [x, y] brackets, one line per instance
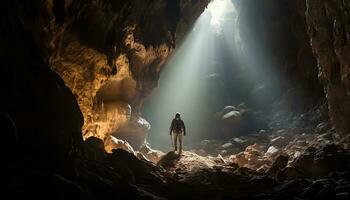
[282, 152]
[236, 120]
[279, 164]
[151, 154]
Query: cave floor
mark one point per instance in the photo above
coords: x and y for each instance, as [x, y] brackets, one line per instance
[190, 176]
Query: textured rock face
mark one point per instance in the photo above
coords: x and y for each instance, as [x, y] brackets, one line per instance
[309, 43]
[328, 28]
[45, 116]
[277, 31]
[110, 54]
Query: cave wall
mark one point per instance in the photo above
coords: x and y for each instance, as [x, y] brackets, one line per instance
[110, 54]
[308, 41]
[276, 30]
[40, 119]
[62, 61]
[329, 28]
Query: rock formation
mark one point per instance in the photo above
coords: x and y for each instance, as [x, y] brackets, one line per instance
[328, 29]
[110, 55]
[310, 44]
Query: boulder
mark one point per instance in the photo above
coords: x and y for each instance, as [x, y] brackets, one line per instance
[240, 159]
[279, 141]
[233, 116]
[115, 143]
[322, 127]
[262, 182]
[94, 148]
[280, 163]
[151, 154]
[209, 146]
[240, 120]
[290, 187]
[228, 109]
[320, 162]
[134, 132]
[272, 152]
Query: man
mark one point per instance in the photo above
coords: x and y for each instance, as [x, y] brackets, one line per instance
[177, 131]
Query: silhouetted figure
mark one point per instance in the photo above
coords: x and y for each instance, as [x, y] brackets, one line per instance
[177, 131]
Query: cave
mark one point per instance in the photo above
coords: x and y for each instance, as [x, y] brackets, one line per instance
[92, 90]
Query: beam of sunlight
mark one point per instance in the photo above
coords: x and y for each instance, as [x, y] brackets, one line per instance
[209, 70]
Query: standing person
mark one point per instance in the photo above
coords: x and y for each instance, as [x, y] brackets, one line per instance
[177, 131]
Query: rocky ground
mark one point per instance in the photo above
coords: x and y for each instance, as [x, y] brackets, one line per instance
[303, 160]
[298, 161]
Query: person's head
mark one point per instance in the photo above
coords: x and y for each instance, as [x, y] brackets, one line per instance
[177, 115]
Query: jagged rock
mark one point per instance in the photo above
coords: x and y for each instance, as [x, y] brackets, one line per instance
[150, 154]
[244, 171]
[139, 170]
[232, 116]
[111, 55]
[108, 119]
[228, 109]
[226, 145]
[345, 142]
[236, 121]
[95, 148]
[272, 152]
[115, 143]
[312, 190]
[290, 187]
[134, 132]
[262, 182]
[322, 127]
[220, 160]
[240, 159]
[326, 33]
[263, 169]
[169, 160]
[279, 141]
[280, 163]
[140, 156]
[189, 162]
[320, 162]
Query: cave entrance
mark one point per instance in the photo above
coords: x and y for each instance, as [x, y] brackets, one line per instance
[209, 70]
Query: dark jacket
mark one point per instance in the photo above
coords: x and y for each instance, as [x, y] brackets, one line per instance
[177, 126]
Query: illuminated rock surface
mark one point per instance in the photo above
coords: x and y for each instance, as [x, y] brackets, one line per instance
[110, 57]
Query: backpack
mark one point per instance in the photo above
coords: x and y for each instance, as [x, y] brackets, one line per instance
[177, 127]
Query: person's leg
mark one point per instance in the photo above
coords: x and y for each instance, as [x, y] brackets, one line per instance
[174, 140]
[180, 135]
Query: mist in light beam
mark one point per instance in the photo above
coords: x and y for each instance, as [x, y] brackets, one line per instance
[207, 71]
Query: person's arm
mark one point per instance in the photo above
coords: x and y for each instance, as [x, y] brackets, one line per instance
[183, 124]
[171, 126]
